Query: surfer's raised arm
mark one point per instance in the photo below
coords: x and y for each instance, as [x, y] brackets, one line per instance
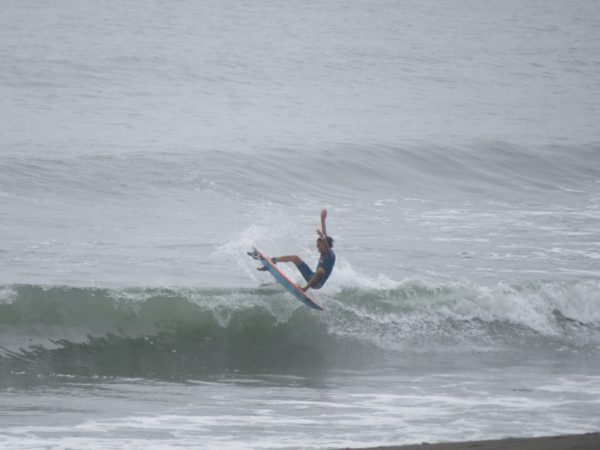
[323, 231]
[323, 218]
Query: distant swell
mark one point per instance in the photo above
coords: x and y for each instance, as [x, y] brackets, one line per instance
[180, 333]
[497, 169]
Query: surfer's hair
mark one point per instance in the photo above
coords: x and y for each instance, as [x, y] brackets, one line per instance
[329, 240]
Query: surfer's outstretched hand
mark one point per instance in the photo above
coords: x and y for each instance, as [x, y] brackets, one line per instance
[323, 231]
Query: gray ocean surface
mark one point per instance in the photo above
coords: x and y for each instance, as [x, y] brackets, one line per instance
[146, 146]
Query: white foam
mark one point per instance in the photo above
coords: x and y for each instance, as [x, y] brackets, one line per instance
[7, 295]
[344, 276]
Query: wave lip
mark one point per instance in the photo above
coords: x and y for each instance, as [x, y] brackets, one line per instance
[180, 333]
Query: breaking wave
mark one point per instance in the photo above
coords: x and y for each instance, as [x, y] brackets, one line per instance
[181, 333]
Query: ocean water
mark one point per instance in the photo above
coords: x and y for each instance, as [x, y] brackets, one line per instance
[145, 146]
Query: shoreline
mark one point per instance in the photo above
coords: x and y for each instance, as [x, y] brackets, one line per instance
[588, 441]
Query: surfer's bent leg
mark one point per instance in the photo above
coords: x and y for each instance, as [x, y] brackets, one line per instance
[306, 272]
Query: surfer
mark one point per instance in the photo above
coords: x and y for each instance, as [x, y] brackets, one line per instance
[316, 279]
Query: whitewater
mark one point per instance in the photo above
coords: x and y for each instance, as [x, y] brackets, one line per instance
[145, 147]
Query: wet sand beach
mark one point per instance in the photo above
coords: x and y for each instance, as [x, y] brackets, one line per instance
[590, 441]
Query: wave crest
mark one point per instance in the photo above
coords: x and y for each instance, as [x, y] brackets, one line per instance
[181, 332]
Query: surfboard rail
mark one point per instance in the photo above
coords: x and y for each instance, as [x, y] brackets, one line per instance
[284, 281]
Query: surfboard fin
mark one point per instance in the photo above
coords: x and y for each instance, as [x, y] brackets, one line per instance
[254, 254]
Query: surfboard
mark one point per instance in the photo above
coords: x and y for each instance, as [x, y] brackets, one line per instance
[284, 281]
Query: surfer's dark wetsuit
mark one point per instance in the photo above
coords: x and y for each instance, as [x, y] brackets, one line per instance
[326, 261]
